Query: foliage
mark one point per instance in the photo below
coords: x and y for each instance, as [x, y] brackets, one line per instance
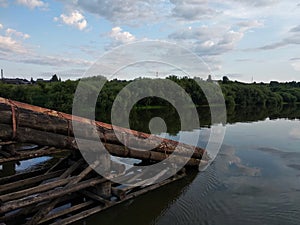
[59, 95]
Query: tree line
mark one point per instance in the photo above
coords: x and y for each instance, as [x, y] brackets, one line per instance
[59, 95]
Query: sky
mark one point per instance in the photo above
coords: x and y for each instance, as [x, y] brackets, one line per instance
[246, 40]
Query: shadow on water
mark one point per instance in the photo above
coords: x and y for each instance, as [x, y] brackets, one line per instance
[145, 209]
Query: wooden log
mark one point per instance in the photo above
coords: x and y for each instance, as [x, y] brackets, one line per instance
[95, 197]
[97, 209]
[57, 122]
[66, 211]
[20, 203]
[44, 211]
[59, 141]
[23, 176]
[118, 193]
[34, 190]
[33, 154]
[28, 211]
[30, 181]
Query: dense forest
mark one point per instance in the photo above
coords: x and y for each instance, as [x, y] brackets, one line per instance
[59, 95]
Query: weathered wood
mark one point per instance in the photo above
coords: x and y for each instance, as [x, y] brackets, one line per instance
[38, 189]
[23, 176]
[60, 141]
[28, 211]
[61, 123]
[66, 211]
[118, 193]
[29, 181]
[97, 209]
[33, 154]
[95, 197]
[44, 211]
[53, 194]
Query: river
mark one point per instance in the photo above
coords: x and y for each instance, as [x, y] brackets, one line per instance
[255, 179]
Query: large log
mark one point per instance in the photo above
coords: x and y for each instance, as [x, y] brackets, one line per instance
[56, 122]
[59, 141]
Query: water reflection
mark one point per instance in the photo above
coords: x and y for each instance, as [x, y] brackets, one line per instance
[145, 209]
[140, 118]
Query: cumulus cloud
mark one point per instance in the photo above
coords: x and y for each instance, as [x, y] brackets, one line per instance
[75, 19]
[12, 32]
[11, 41]
[121, 37]
[32, 3]
[9, 45]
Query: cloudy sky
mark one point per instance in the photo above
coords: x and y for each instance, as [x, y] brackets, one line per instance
[243, 39]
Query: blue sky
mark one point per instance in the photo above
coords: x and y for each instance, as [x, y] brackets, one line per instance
[242, 39]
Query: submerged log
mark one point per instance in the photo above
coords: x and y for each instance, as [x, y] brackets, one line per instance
[60, 123]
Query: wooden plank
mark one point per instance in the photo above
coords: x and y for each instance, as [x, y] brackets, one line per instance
[20, 203]
[38, 189]
[33, 154]
[25, 175]
[45, 210]
[66, 211]
[30, 181]
[95, 197]
[97, 209]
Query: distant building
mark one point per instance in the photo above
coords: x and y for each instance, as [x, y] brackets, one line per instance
[13, 80]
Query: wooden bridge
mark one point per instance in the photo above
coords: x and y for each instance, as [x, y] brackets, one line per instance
[68, 189]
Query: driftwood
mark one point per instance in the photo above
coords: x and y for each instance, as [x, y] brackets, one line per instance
[97, 209]
[60, 123]
[66, 211]
[33, 154]
[20, 203]
[45, 210]
[59, 141]
[30, 181]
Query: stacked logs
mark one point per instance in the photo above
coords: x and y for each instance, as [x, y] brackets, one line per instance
[31, 124]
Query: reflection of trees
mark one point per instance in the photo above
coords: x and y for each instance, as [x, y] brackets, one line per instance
[140, 117]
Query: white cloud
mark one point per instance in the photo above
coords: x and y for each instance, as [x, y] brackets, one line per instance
[204, 40]
[120, 11]
[3, 3]
[9, 45]
[32, 3]
[12, 32]
[121, 37]
[11, 42]
[75, 19]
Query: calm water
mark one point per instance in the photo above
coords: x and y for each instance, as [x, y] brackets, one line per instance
[255, 178]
